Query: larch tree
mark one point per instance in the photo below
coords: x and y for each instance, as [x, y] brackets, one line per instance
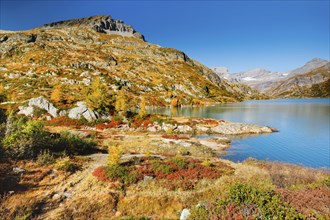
[57, 94]
[121, 105]
[98, 97]
[142, 111]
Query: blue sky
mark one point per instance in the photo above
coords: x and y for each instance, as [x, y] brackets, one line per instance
[276, 35]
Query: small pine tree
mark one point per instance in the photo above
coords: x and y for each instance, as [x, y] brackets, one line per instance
[57, 94]
[143, 111]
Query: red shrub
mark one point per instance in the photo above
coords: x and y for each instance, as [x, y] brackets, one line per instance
[101, 174]
[141, 122]
[175, 137]
[64, 121]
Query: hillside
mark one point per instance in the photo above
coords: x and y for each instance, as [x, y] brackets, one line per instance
[75, 52]
[315, 83]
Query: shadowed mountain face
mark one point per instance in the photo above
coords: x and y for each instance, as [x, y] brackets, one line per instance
[74, 52]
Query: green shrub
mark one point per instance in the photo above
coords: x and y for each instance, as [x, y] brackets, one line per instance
[45, 158]
[73, 144]
[183, 151]
[267, 201]
[179, 162]
[245, 201]
[157, 166]
[65, 164]
[38, 112]
[199, 213]
[26, 139]
[207, 163]
[121, 173]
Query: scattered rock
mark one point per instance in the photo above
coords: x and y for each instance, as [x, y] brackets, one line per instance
[81, 134]
[67, 194]
[18, 170]
[152, 129]
[185, 214]
[202, 128]
[147, 178]
[184, 129]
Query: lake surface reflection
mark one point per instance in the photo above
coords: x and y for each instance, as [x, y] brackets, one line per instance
[303, 125]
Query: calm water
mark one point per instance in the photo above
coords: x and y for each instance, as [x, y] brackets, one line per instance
[303, 125]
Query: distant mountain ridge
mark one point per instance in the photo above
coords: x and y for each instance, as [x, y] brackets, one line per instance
[315, 83]
[265, 81]
[309, 66]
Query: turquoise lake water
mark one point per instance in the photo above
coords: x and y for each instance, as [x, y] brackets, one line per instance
[303, 125]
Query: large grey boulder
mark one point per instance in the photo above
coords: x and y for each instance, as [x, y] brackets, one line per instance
[83, 111]
[43, 103]
[39, 102]
[25, 110]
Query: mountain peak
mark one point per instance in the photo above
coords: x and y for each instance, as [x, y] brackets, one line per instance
[310, 65]
[102, 24]
[316, 60]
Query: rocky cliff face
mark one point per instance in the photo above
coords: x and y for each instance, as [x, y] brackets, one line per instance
[73, 53]
[101, 24]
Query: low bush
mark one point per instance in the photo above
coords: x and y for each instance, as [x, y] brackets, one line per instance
[65, 122]
[73, 144]
[38, 112]
[101, 174]
[121, 173]
[245, 201]
[162, 168]
[180, 162]
[66, 164]
[45, 158]
[26, 139]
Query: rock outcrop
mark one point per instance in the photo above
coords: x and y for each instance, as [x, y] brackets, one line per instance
[39, 102]
[82, 111]
[101, 24]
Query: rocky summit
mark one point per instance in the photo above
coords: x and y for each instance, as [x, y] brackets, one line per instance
[73, 53]
[101, 24]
